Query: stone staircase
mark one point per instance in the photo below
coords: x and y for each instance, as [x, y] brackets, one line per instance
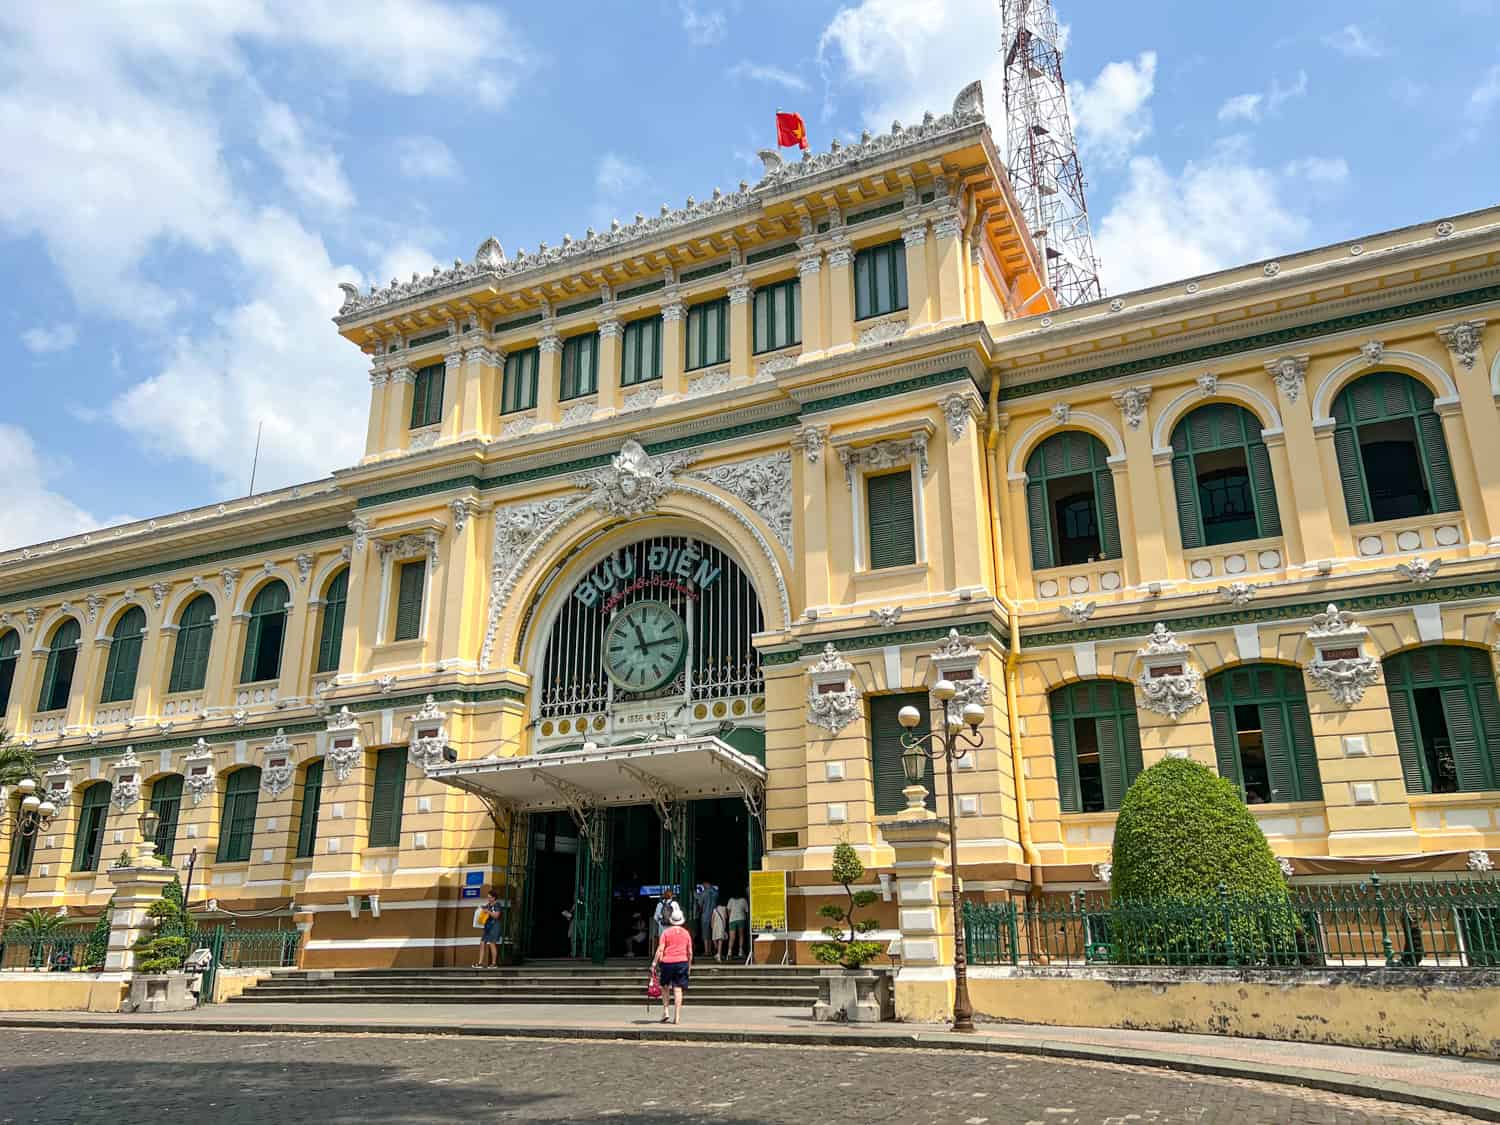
[547, 982]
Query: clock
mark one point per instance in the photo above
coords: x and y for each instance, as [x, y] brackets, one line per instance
[644, 646]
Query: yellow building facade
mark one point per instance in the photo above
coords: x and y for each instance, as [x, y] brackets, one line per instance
[670, 519]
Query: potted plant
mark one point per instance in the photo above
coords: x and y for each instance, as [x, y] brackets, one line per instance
[158, 984]
[850, 992]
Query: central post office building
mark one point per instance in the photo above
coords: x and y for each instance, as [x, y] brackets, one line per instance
[658, 527]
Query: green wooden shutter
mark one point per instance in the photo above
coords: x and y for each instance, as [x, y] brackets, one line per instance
[1264, 486]
[1065, 755]
[124, 657]
[386, 798]
[1274, 742]
[1304, 749]
[409, 600]
[252, 649]
[1351, 474]
[864, 285]
[331, 634]
[1404, 722]
[892, 521]
[1039, 523]
[1111, 760]
[312, 804]
[90, 835]
[886, 749]
[1109, 520]
[1488, 701]
[1440, 484]
[1226, 751]
[194, 637]
[10, 649]
[1463, 736]
[1130, 733]
[1185, 485]
[237, 823]
[166, 802]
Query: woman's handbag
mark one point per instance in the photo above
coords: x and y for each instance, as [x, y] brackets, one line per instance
[481, 916]
[653, 986]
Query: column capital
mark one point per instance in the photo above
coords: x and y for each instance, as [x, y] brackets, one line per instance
[1463, 339]
[403, 375]
[674, 312]
[840, 256]
[810, 263]
[949, 225]
[915, 233]
[454, 359]
[740, 294]
[1132, 403]
[492, 356]
[611, 329]
[550, 345]
[378, 376]
[1288, 372]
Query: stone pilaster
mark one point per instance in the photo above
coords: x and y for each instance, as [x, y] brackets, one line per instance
[398, 392]
[136, 888]
[375, 425]
[611, 332]
[840, 334]
[948, 241]
[549, 378]
[919, 310]
[810, 273]
[673, 364]
[741, 340]
[924, 984]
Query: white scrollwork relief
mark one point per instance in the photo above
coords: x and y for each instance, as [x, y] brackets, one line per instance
[1172, 695]
[634, 483]
[885, 455]
[344, 743]
[1345, 679]
[830, 706]
[304, 563]
[1333, 622]
[1132, 403]
[765, 486]
[361, 531]
[886, 616]
[274, 778]
[464, 509]
[1420, 571]
[1287, 870]
[1080, 611]
[1463, 340]
[577, 415]
[518, 427]
[198, 768]
[811, 440]
[641, 400]
[1237, 593]
[710, 382]
[429, 735]
[958, 409]
[769, 367]
[229, 576]
[59, 781]
[1480, 862]
[892, 329]
[1288, 372]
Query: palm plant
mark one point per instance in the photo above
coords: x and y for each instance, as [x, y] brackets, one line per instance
[35, 927]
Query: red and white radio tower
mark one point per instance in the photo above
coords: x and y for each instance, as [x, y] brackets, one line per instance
[1042, 154]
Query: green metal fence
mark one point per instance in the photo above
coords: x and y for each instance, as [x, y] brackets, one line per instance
[234, 948]
[63, 952]
[1369, 924]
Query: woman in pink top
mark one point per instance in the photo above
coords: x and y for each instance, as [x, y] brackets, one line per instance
[674, 957]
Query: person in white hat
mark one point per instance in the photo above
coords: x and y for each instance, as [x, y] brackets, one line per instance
[673, 960]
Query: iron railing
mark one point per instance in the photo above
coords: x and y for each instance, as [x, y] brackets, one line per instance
[63, 952]
[234, 948]
[1370, 924]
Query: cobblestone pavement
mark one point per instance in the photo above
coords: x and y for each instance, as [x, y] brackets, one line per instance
[124, 1077]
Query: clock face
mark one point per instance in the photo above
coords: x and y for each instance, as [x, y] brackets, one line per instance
[644, 646]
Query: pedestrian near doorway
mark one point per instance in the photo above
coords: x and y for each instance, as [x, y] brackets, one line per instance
[672, 963]
[739, 926]
[659, 917]
[705, 900]
[489, 938]
[719, 927]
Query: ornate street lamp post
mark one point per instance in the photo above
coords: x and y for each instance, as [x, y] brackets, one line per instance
[34, 815]
[950, 742]
[148, 822]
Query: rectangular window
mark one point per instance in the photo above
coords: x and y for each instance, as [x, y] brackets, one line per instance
[640, 360]
[778, 315]
[410, 578]
[385, 802]
[886, 750]
[427, 396]
[518, 392]
[892, 520]
[312, 802]
[879, 280]
[708, 334]
[237, 827]
[331, 635]
[90, 827]
[22, 849]
[166, 802]
[580, 366]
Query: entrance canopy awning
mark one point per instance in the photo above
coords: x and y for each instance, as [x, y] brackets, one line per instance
[685, 769]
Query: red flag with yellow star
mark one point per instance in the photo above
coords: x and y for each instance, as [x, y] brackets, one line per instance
[790, 131]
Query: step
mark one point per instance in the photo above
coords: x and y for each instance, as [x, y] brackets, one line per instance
[584, 999]
[478, 981]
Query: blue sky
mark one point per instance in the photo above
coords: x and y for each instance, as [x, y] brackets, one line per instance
[186, 181]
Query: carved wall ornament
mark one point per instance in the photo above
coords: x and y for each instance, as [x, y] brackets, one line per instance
[409, 546]
[634, 483]
[1104, 871]
[463, 509]
[1420, 571]
[304, 563]
[885, 455]
[32, 615]
[1060, 413]
[1079, 612]
[886, 616]
[1480, 862]
[768, 367]
[345, 746]
[1287, 870]
[1132, 403]
[1168, 683]
[361, 531]
[892, 329]
[518, 427]
[125, 790]
[1237, 593]
[1344, 679]
[1162, 642]
[811, 440]
[955, 647]
[1208, 384]
[710, 382]
[520, 530]
[275, 779]
[1289, 372]
[198, 771]
[429, 734]
[764, 484]
[58, 781]
[93, 603]
[1333, 622]
[1463, 339]
[1372, 351]
[958, 409]
[832, 698]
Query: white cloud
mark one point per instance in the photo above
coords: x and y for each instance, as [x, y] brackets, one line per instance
[616, 175]
[426, 158]
[54, 338]
[1325, 170]
[1352, 40]
[1215, 213]
[33, 511]
[401, 261]
[1110, 113]
[1253, 107]
[1486, 95]
[704, 27]
[311, 172]
[759, 72]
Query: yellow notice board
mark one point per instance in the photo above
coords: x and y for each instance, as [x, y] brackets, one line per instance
[767, 901]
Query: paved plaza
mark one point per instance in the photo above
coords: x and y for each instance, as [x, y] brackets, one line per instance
[134, 1076]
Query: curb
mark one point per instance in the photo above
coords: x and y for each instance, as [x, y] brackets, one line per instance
[1474, 1105]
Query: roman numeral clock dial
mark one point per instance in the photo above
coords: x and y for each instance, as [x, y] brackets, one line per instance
[644, 646]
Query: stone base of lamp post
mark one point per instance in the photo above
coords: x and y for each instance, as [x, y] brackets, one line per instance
[924, 984]
[136, 888]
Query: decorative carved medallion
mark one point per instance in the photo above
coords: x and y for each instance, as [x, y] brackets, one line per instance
[1420, 571]
[1208, 384]
[1372, 351]
[1132, 403]
[634, 483]
[1288, 373]
[429, 735]
[344, 744]
[765, 486]
[274, 779]
[198, 771]
[829, 705]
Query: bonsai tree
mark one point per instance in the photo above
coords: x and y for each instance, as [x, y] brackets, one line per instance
[841, 949]
[1193, 879]
[164, 950]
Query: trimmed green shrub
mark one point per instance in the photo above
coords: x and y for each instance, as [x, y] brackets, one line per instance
[1194, 881]
[98, 946]
[850, 951]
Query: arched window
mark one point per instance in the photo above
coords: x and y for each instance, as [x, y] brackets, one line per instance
[1221, 473]
[195, 633]
[1447, 718]
[1070, 501]
[237, 825]
[62, 656]
[10, 652]
[90, 836]
[124, 656]
[1262, 735]
[1096, 743]
[312, 804]
[331, 634]
[166, 803]
[1393, 460]
[264, 634]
